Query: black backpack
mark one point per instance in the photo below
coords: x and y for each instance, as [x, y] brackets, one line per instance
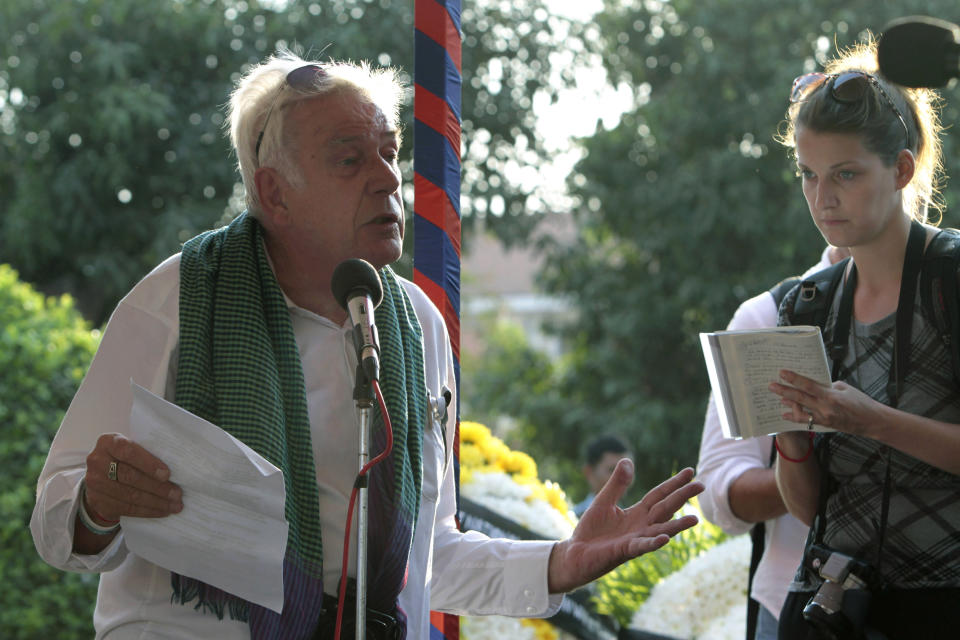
[941, 264]
[938, 294]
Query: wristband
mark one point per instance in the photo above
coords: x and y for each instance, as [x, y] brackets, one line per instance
[788, 458]
[88, 522]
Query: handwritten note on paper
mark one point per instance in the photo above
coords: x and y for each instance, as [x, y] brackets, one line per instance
[742, 364]
[768, 358]
[231, 533]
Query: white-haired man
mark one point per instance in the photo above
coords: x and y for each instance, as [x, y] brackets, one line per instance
[317, 147]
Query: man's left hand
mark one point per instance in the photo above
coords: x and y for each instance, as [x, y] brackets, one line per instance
[607, 536]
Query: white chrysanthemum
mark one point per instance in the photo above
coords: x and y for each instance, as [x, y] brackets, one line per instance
[496, 485]
[502, 495]
[542, 518]
[727, 627]
[685, 603]
[494, 628]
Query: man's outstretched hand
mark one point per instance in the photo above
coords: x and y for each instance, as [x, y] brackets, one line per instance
[607, 536]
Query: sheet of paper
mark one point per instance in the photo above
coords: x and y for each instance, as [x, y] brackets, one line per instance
[720, 385]
[741, 364]
[232, 533]
[766, 356]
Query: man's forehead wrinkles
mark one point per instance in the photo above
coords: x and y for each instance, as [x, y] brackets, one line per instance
[340, 140]
[339, 119]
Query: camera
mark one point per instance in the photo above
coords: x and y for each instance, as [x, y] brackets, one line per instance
[838, 610]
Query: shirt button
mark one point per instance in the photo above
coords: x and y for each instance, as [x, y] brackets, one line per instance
[528, 593]
[530, 609]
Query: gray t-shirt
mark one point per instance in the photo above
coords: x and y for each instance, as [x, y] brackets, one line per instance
[922, 535]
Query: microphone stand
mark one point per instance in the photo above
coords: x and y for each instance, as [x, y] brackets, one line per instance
[365, 399]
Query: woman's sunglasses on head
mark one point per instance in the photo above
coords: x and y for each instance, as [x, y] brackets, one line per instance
[849, 87]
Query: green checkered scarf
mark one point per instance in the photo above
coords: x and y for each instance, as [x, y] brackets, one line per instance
[240, 368]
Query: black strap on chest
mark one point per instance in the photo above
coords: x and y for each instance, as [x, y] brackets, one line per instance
[939, 296]
[903, 327]
[912, 262]
[780, 290]
[939, 291]
[814, 297]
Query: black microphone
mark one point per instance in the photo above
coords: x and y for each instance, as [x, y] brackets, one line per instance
[357, 288]
[919, 51]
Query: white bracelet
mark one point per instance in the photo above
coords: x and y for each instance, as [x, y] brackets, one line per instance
[87, 521]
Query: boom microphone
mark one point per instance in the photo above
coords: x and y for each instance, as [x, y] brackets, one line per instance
[919, 51]
[357, 288]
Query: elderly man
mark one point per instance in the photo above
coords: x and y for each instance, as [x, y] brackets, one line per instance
[242, 328]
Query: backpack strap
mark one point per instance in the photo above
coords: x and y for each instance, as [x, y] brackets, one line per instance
[939, 290]
[758, 531]
[813, 301]
[758, 543]
[758, 537]
[780, 290]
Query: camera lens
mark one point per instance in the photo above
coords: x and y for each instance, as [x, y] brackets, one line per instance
[825, 612]
[830, 626]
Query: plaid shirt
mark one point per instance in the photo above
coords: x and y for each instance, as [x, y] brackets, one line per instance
[922, 536]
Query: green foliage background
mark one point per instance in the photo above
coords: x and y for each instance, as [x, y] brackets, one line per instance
[685, 209]
[45, 348]
[621, 592]
[113, 151]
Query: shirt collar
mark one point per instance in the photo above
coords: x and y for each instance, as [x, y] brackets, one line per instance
[292, 306]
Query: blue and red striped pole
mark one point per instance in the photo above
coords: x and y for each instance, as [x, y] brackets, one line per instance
[437, 76]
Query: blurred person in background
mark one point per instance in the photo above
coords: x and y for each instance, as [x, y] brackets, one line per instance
[600, 456]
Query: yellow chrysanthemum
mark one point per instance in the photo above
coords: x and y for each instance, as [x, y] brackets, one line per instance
[494, 450]
[473, 433]
[536, 490]
[518, 463]
[470, 456]
[482, 452]
[556, 496]
[542, 629]
[524, 480]
[488, 468]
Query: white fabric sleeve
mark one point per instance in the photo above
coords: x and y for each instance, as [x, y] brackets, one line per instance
[477, 575]
[723, 460]
[136, 344]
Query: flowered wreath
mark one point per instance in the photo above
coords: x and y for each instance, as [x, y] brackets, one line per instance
[506, 482]
[693, 588]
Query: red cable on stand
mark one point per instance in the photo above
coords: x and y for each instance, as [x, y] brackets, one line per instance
[342, 590]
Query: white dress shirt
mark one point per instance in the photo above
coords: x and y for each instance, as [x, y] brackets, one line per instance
[723, 460]
[462, 573]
